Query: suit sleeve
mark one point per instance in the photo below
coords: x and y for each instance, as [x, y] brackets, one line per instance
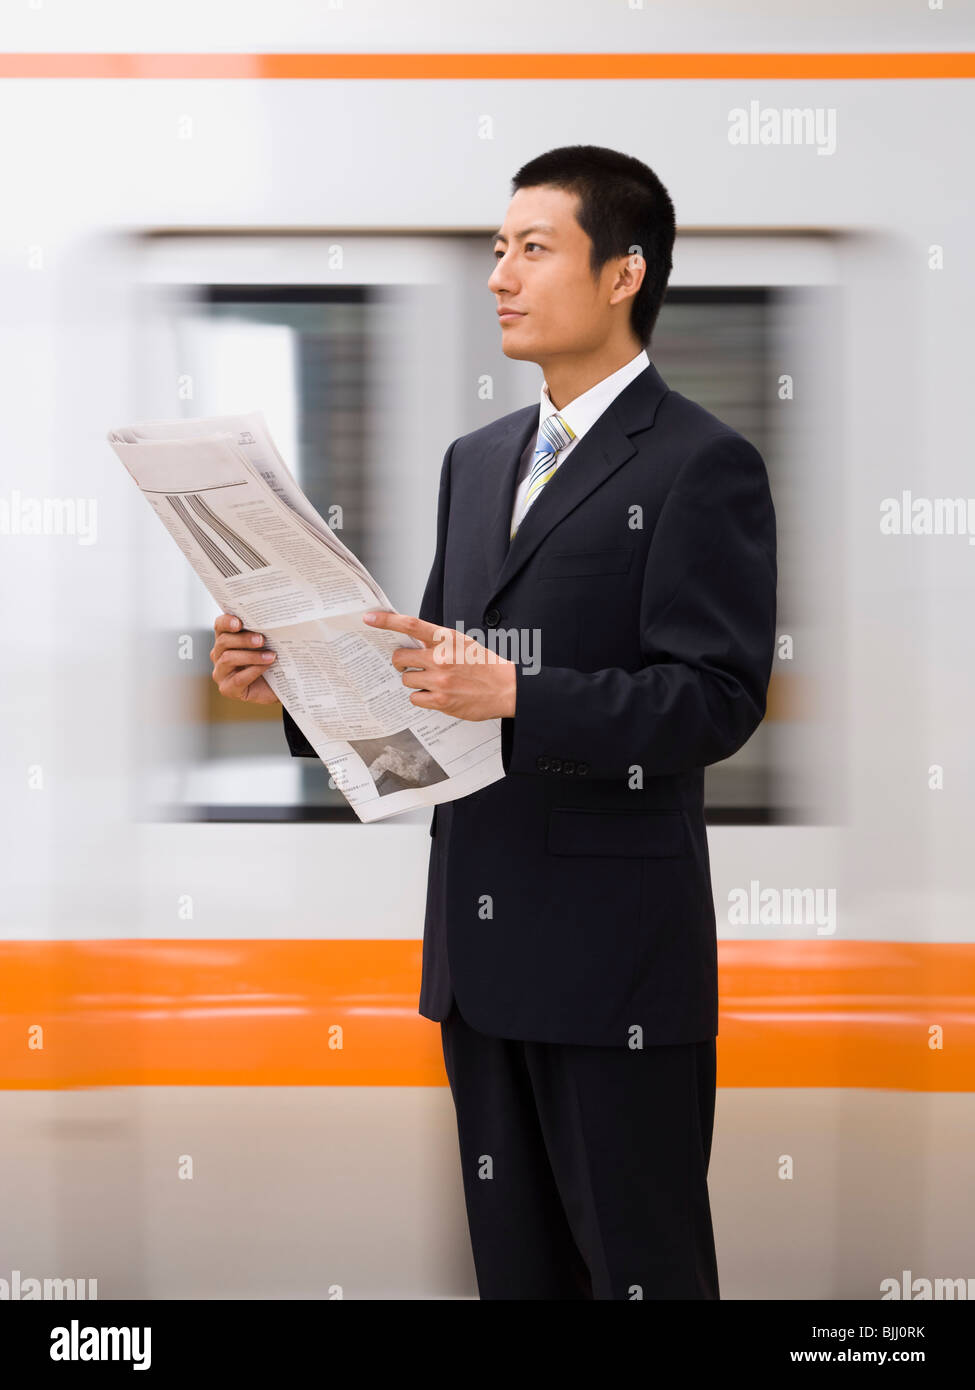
[431, 605]
[297, 743]
[707, 636]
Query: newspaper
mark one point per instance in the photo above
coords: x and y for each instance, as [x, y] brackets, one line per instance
[228, 499]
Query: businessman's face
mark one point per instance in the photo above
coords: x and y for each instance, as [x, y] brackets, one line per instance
[542, 275]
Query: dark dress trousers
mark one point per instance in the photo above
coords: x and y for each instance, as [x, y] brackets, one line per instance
[569, 947]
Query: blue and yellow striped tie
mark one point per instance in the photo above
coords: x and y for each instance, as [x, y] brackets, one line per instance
[554, 435]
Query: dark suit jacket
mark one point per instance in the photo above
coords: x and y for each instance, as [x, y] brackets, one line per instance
[571, 901]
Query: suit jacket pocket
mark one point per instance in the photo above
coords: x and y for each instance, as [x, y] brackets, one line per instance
[633, 834]
[585, 563]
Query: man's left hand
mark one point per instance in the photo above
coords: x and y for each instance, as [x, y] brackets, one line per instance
[457, 675]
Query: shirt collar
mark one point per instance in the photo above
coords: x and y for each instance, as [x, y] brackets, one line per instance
[586, 409]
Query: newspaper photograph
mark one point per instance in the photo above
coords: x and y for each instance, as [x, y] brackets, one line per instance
[235, 510]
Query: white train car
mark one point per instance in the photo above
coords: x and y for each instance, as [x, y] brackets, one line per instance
[296, 217]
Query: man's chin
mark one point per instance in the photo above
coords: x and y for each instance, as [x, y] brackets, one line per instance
[519, 352]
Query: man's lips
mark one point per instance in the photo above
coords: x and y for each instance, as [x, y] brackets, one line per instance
[510, 313]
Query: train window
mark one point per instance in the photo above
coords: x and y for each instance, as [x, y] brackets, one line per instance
[363, 400]
[714, 346]
[298, 353]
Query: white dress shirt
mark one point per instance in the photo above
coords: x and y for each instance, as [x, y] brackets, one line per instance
[580, 415]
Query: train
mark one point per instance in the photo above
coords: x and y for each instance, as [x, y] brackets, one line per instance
[214, 1083]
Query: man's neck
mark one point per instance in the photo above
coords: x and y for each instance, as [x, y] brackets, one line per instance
[568, 377]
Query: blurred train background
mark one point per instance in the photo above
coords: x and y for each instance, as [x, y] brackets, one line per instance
[188, 911]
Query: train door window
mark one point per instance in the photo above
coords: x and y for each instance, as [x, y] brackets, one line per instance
[368, 354]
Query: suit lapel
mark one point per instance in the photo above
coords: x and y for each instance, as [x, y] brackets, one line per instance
[499, 476]
[604, 447]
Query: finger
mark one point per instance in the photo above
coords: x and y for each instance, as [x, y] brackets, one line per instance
[379, 617]
[236, 684]
[233, 661]
[412, 656]
[227, 622]
[451, 649]
[427, 699]
[447, 644]
[402, 622]
[235, 641]
[421, 680]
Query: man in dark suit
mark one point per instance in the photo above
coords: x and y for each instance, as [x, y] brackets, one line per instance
[617, 542]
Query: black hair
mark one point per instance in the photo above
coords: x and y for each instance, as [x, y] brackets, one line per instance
[622, 205]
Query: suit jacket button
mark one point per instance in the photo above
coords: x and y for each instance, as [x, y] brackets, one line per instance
[582, 769]
[542, 764]
[568, 766]
[492, 617]
[555, 764]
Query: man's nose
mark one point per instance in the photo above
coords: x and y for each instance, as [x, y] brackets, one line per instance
[501, 278]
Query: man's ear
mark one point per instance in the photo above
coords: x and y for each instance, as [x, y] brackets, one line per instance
[631, 270]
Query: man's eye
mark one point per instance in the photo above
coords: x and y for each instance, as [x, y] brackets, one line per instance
[499, 251]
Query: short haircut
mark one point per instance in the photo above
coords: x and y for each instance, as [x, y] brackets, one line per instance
[622, 204]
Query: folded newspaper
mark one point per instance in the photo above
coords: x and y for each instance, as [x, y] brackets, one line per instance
[228, 499]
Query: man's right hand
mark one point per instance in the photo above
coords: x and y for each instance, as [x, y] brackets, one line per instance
[238, 661]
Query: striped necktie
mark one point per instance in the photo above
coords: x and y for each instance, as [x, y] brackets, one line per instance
[554, 435]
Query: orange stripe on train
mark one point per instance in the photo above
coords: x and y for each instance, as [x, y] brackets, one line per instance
[259, 1013]
[530, 67]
